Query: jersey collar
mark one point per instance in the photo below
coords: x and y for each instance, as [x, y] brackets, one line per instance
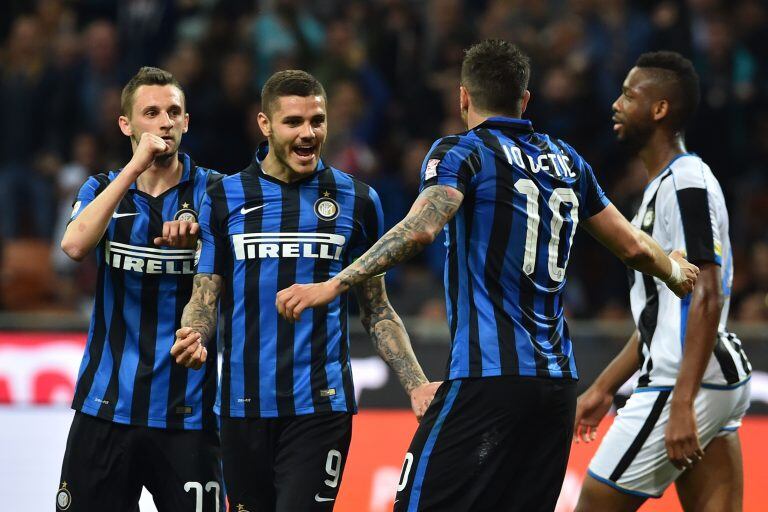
[261, 154]
[523, 125]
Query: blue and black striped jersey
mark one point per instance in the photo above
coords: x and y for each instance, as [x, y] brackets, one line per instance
[508, 246]
[263, 235]
[127, 374]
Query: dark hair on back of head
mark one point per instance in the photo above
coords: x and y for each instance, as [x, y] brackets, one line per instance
[290, 82]
[679, 79]
[496, 74]
[146, 76]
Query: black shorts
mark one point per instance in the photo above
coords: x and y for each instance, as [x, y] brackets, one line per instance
[490, 444]
[106, 464]
[285, 464]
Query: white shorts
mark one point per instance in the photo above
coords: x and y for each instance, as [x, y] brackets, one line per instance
[633, 458]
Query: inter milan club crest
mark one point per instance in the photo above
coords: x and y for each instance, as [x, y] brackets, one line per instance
[186, 214]
[63, 497]
[326, 208]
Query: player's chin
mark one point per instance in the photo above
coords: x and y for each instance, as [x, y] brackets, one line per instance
[304, 164]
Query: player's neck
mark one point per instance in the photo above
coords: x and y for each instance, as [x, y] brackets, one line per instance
[273, 166]
[659, 151]
[475, 118]
[161, 176]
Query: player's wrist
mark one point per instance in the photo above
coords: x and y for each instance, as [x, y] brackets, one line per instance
[676, 275]
[133, 169]
[337, 285]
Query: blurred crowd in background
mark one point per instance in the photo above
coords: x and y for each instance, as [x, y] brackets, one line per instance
[391, 71]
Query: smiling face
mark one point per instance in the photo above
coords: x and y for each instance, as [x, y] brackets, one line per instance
[296, 130]
[636, 110]
[157, 109]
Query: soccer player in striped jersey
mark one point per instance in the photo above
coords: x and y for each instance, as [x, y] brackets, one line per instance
[142, 420]
[497, 435]
[286, 396]
[681, 422]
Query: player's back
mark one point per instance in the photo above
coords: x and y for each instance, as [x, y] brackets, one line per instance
[508, 246]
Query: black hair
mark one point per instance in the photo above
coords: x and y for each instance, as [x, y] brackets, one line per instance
[290, 82]
[496, 74]
[678, 78]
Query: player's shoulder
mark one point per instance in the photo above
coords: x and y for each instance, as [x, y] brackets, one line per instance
[688, 170]
[557, 145]
[347, 183]
[468, 140]
[100, 180]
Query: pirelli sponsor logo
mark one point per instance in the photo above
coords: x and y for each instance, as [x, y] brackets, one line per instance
[147, 260]
[326, 246]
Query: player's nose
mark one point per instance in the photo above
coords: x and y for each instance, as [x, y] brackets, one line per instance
[307, 131]
[167, 120]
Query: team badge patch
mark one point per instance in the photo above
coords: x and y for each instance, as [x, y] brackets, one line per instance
[326, 208]
[63, 497]
[648, 219]
[431, 170]
[186, 214]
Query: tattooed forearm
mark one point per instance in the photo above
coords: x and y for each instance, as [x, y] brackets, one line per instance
[200, 311]
[432, 210]
[388, 333]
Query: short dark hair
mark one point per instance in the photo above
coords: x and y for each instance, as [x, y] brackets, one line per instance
[289, 82]
[146, 76]
[679, 80]
[496, 74]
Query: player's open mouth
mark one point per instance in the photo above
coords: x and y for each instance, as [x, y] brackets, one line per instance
[305, 152]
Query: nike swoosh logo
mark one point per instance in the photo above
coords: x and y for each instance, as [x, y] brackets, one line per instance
[245, 210]
[118, 215]
[320, 499]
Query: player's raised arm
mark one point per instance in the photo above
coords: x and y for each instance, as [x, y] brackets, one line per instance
[198, 322]
[432, 210]
[88, 226]
[641, 252]
[392, 343]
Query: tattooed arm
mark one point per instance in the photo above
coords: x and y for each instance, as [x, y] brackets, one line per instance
[198, 321]
[392, 343]
[434, 207]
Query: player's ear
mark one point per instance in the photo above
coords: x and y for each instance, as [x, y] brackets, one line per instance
[186, 123]
[125, 126]
[264, 124]
[524, 101]
[660, 110]
[463, 98]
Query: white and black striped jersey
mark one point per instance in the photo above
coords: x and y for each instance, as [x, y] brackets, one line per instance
[684, 208]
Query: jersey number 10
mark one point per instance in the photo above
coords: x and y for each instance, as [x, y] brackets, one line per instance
[559, 196]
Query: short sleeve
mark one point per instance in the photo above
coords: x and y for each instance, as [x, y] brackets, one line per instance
[87, 193]
[697, 230]
[372, 224]
[452, 161]
[213, 247]
[595, 199]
